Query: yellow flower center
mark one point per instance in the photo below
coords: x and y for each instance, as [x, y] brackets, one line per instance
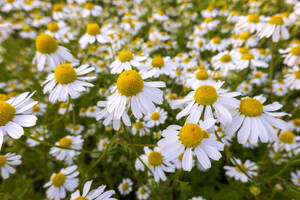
[296, 122]
[58, 179]
[53, 27]
[191, 135]
[63, 105]
[88, 6]
[138, 125]
[181, 156]
[158, 62]
[202, 75]
[58, 7]
[92, 109]
[206, 95]
[246, 88]
[36, 108]
[38, 17]
[93, 29]
[125, 55]
[276, 20]
[161, 13]
[251, 107]
[28, 2]
[81, 198]
[263, 51]
[244, 50]
[46, 44]
[2, 160]
[9, 1]
[253, 18]
[217, 40]
[241, 168]
[130, 83]
[208, 19]
[65, 142]
[104, 144]
[155, 158]
[4, 97]
[298, 180]
[244, 36]
[143, 191]
[295, 50]
[178, 72]
[7, 113]
[287, 137]
[297, 74]
[148, 44]
[155, 116]
[65, 74]
[125, 186]
[200, 43]
[247, 56]
[226, 58]
[257, 75]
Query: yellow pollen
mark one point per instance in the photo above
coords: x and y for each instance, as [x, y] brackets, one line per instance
[36, 108]
[251, 107]
[7, 113]
[130, 83]
[206, 95]
[297, 74]
[244, 50]
[88, 6]
[58, 7]
[2, 160]
[241, 168]
[58, 179]
[53, 27]
[202, 75]
[46, 44]
[4, 97]
[155, 158]
[217, 40]
[287, 137]
[226, 58]
[138, 125]
[93, 29]
[253, 18]
[295, 50]
[191, 135]
[296, 122]
[65, 74]
[247, 56]
[125, 186]
[65, 142]
[208, 19]
[257, 75]
[276, 20]
[81, 198]
[155, 116]
[125, 55]
[157, 62]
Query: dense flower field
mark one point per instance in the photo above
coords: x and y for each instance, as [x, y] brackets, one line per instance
[161, 99]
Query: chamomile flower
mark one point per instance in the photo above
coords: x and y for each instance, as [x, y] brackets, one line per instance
[143, 192]
[197, 198]
[288, 141]
[209, 23]
[95, 194]
[217, 44]
[238, 172]
[49, 53]
[103, 144]
[296, 177]
[191, 139]
[244, 88]
[131, 90]
[65, 180]
[67, 81]
[89, 9]
[125, 61]
[158, 66]
[64, 107]
[279, 87]
[252, 121]
[160, 16]
[7, 162]
[224, 61]
[94, 33]
[125, 186]
[157, 163]
[36, 134]
[140, 128]
[250, 23]
[292, 79]
[295, 124]
[156, 118]
[258, 78]
[57, 29]
[291, 55]
[206, 98]
[59, 11]
[75, 129]
[74, 142]
[250, 60]
[15, 114]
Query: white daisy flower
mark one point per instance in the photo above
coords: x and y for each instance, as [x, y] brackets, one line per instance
[197, 198]
[125, 186]
[74, 142]
[291, 55]
[250, 23]
[296, 177]
[250, 60]
[95, 194]
[10, 5]
[217, 44]
[92, 111]
[67, 81]
[65, 180]
[63, 107]
[49, 53]
[209, 23]
[292, 79]
[191, 139]
[156, 118]
[160, 16]
[57, 29]
[75, 129]
[103, 144]
[157, 163]
[244, 88]
[258, 78]
[6, 162]
[89, 9]
[252, 121]
[93, 33]
[238, 172]
[276, 28]
[288, 141]
[158, 66]
[15, 114]
[125, 61]
[207, 97]
[59, 11]
[143, 192]
[224, 61]
[295, 124]
[279, 87]
[131, 90]
[140, 128]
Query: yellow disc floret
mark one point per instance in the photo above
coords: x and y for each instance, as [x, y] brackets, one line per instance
[53, 27]
[88, 6]
[251, 107]
[65, 142]
[253, 18]
[65, 74]
[7, 113]
[202, 75]
[58, 179]
[81, 198]
[295, 50]
[296, 122]
[216, 40]
[276, 20]
[46, 44]
[241, 168]
[158, 62]
[2, 160]
[155, 116]
[155, 158]
[287, 137]
[93, 29]
[125, 55]
[138, 125]
[130, 83]
[191, 135]
[297, 74]
[206, 95]
[247, 56]
[226, 58]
